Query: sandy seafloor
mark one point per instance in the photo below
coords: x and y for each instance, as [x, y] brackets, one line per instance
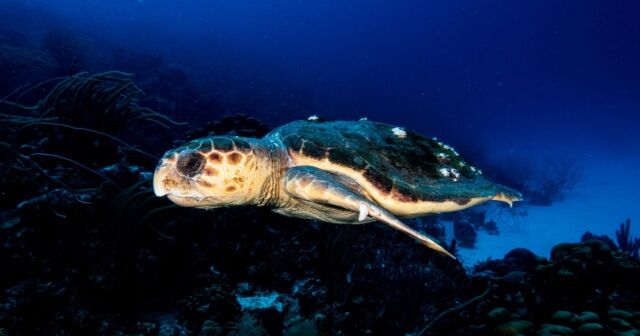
[608, 194]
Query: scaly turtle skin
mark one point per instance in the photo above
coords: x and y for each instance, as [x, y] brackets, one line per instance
[340, 172]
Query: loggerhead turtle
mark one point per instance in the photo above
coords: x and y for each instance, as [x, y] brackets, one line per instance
[347, 172]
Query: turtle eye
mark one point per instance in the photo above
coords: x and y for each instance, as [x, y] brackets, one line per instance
[190, 164]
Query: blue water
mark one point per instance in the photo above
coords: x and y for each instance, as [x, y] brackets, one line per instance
[517, 87]
[511, 72]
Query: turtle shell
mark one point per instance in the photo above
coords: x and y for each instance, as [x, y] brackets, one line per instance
[395, 164]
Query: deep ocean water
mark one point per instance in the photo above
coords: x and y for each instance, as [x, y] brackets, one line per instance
[542, 96]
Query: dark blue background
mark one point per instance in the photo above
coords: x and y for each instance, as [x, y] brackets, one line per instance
[527, 74]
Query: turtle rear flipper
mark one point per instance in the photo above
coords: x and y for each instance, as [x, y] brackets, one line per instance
[507, 195]
[498, 192]
[310, 184]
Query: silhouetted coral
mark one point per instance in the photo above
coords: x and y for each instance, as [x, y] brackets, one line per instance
[572, 292]
[465, 234]
[238, 124]
[65, 48]
[21, 65]
[541, 184]
[625, 242]
[604, 238]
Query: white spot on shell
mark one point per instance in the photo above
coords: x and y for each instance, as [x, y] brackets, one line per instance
[444, 172]
[363, 119]
[313, 118]
[399, 132]
[455, 173]
[476, 170]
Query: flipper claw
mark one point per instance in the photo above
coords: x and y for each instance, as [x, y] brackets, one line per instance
[364, 212]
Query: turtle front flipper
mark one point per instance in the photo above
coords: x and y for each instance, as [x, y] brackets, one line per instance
[312, 186]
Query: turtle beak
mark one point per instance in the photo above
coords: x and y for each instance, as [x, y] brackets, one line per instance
[160, 177]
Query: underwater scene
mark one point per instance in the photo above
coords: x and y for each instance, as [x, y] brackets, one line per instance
[301, 167]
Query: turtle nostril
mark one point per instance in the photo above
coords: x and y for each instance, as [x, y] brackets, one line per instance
[190, 164]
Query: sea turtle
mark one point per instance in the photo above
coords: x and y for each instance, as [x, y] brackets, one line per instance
[347, 172]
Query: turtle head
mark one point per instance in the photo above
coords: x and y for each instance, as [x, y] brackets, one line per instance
[210, 172]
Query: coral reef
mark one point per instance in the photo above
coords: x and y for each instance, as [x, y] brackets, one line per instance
[579, 291]
[91, 250]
